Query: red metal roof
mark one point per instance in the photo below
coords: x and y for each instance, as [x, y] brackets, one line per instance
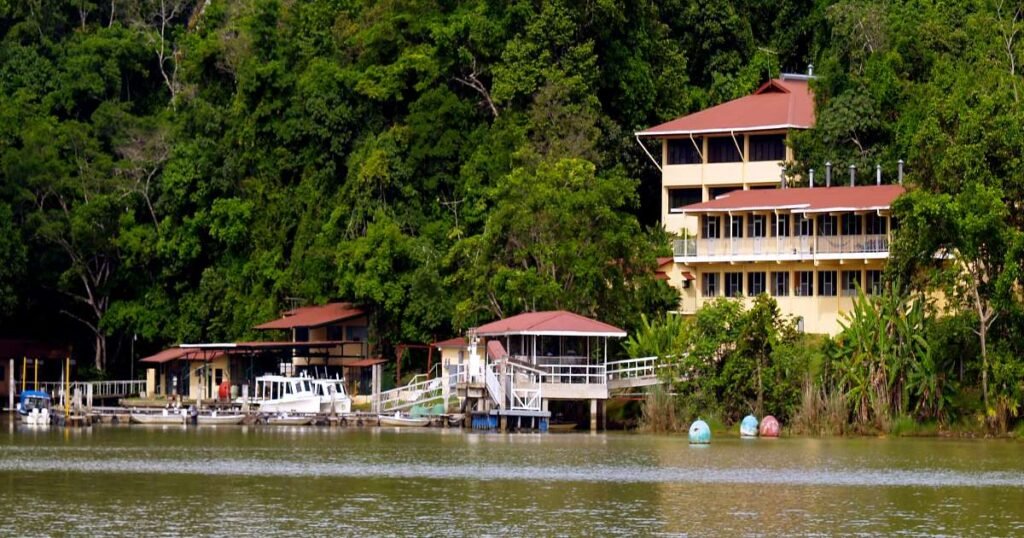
[458, 341]
[777, 104]
[554, 323]
[803, 200]
[210, 351]
[496, 351]
[168, 355]
[313, 316]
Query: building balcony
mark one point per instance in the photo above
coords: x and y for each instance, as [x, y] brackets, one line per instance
[795, 248]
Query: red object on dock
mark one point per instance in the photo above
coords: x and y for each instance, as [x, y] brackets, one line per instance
[769, 427]
[224, 390]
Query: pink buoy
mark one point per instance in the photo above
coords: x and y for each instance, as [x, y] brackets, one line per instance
[769, 427]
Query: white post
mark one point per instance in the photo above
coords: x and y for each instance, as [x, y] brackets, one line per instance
[245, 398]
[88, 396]
[475, 370]
[10, 389]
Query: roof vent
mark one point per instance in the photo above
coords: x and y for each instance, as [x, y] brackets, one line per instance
[853, 174]
[828, 174]
[901, 171]
[810, 179]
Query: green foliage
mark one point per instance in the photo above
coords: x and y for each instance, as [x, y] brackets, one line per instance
[728, 361]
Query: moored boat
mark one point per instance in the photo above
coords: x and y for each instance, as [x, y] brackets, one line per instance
[215, 419]
[289, 420]
[164, 417]
[561, 427]
[402, 420]
[34, 407]
[281, 394]
[333, 398]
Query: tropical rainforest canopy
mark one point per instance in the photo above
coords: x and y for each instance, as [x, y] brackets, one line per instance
[180, 170]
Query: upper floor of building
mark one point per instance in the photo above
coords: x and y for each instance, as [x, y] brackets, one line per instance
[797, 224]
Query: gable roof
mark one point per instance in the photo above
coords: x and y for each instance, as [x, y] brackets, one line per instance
[550, 323]
[457, 342]
[777, 104]
[313, 316]
[802, 200]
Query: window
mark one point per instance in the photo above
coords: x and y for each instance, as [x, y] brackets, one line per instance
[715, 192]
[710, 227]
[875, 224]
[734, 284]
[851, 281]
[302, 334]
[780, 283]
[768, 147]
[780, 225]
[356, 333]
[218, 376]
[804, 283]
[805, 226]
[827, 283]
[709, 287]
[852, 224]
[874, 282]
[736, 226]
[828, 225]
[678, 198]
[722, 149]
[335, 333]
[755, 283]
[756, 226]
[683, 151]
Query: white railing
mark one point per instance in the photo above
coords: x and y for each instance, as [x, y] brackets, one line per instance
[572, 373]
[524, 386]
[494, 387]
[643, 367]
[100, 389]
[781, 246]
[419, 390]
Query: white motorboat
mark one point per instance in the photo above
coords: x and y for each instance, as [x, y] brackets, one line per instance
[333, 397]
[281, 394]
[402, 420]
[174, 416]
[215, 419]
[34, 408]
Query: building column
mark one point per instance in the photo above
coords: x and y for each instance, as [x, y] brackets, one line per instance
[593, 415]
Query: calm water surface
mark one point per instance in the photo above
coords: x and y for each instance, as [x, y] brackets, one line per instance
[236, 481]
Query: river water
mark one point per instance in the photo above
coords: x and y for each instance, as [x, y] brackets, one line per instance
[308, 481]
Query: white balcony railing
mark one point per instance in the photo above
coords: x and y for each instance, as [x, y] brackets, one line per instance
[798, 246]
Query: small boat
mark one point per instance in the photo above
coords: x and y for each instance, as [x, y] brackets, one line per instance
[281, 394]
[289, 420]
[165, 417]
[215, 419]
[34, 407]
[456, 420]
[333, 398]
[399, 420]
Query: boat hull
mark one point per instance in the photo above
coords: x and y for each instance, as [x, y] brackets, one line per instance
[339, 406]
[289, 421]
[210, 420]
[36, 419]
[304, 404]
[403, 421]
[170, 418]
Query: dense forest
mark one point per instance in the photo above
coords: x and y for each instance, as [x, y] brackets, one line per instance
[177, 170]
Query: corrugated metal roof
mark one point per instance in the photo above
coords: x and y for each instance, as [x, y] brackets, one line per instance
[167, 355]
[777, 104]
[458, 341]
[802, 200]
[313, 316]
[553, 323]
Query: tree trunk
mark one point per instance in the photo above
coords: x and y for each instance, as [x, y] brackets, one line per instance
[101, 350]
[982, 330]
